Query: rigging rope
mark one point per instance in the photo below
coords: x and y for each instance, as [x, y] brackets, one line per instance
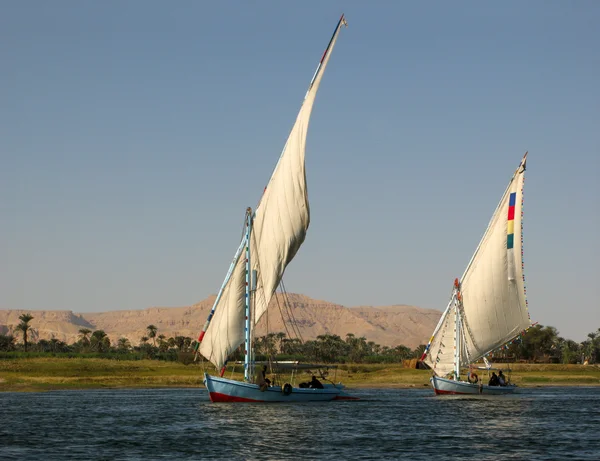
[293, 320]
[287, 305]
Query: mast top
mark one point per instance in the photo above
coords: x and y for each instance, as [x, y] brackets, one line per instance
[524, 161]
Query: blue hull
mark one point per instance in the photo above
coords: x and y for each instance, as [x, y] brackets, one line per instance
[442, 386]
[229, 390]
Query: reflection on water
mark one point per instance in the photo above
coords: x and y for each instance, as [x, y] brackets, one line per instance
[179, 424]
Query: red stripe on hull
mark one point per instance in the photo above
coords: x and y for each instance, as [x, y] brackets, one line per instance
[218, 397]
[440, 392]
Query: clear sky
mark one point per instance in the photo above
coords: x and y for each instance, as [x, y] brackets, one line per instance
[133, 135]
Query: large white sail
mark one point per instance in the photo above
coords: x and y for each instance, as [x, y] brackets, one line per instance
[493, 292]
[279, 227]
[493, 306]
[282, 217]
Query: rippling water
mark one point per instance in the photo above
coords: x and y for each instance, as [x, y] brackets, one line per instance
[181, 424]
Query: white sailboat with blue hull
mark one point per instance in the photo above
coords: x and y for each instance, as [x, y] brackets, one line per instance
[274, 232]
[488, 307]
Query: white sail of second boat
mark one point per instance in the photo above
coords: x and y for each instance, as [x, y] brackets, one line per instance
[488, 307]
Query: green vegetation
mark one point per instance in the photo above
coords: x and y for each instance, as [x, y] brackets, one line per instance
[24, 327]
[538, 357]
[49, 373]
[538, 345]
[96, 344]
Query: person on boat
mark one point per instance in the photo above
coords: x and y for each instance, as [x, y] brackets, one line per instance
[266, 380]
[315, 383]
[501, 379]
[494, 380]
[472, 377]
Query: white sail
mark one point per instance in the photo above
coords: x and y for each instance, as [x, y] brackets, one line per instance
[225, 330]
[493, 292]
[282, 217]
[441, 356]
[493, 305]
[279, 227]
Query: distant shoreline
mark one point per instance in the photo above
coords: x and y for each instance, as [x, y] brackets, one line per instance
[45, 374]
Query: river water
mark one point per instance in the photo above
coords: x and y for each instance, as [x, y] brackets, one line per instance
[411, 424]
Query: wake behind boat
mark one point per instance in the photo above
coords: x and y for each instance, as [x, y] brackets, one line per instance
[274, 232]
[487, 308]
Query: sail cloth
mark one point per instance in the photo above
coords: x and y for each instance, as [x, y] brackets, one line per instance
[493, 308]
[441, 356]
[225, 330]
[279, 227]
[493, 290]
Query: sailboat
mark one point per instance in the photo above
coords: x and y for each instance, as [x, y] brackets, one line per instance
[273, 234]
[487, 307]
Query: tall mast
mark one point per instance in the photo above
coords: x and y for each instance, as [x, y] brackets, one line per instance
[457, 342]
[457, 326]
[248, 334]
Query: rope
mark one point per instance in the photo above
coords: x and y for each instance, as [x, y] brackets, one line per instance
[282, 317]
[293, 321]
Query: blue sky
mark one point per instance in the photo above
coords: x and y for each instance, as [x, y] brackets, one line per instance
[133, 135]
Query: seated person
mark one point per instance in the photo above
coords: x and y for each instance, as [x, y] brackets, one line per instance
[501, 379]
[494, 380]
[472, 377]
[262, 379]
[315, 383]
[264, 373]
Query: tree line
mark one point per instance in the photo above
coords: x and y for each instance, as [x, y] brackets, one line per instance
[97, 343]
[541, 344]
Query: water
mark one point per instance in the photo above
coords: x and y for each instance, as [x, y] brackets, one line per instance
[181, 424]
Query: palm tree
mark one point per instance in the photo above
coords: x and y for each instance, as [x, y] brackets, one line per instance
[403, 352]
[592, 346]
[180, 342]
[280, 337]
[83, 337]
[418, 352]
[123, 344]
[100, 341]
[162, 344]
[330, 348]
[152, 333]
[269, 345]
[291, 346]
[24, 327]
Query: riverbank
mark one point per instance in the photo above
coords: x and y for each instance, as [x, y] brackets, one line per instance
[42, 374]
